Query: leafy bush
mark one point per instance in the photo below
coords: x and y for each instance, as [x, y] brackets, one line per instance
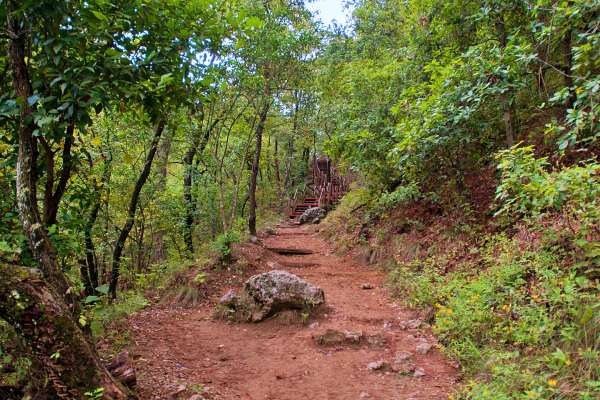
[529, 320]
[222, 245]
[527, 188]
[402, 194]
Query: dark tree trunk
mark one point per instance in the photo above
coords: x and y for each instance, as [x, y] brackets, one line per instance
[260, 127]
[26, 177]
[44, 322]
[54, 196]
[133, 202]
[197, 146]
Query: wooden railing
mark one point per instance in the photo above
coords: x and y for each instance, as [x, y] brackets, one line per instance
[327, 186]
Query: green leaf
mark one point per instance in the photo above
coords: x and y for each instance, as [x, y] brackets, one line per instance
[91, 299]
[99, 15]
[103, 289]
[31, 100]
[254, 23]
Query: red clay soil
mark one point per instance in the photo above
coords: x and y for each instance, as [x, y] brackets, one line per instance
[177, 348]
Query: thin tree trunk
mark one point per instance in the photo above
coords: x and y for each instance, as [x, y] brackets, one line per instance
[158, 242]
[255, 165]
[118, 251]
[43, 320]
[52, 199]
[89, 271]
[238, 180]
[276, 165]
[508, 114]
[197, 146]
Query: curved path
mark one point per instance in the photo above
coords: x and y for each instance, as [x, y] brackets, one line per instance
[177, 349]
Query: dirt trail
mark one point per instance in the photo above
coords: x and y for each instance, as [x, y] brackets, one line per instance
[273, 361]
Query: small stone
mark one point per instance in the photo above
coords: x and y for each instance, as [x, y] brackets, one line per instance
[365, 395]
[197, 397]
[423, 347]
[376, 340]
[271, 231]
[387, 325]
[228, 298]
[330, 337]
[376, 365]
[410, 324]
[366, 286]
[313, 325]
[353, 337]
[402, 356]
[403, 363]
[419, 373]
[255, 240]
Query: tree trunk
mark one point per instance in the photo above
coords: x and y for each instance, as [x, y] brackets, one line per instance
[54, 196]
[255, 164]
[238, 180]
[118, 251]
[158, 242]
[508, 114]
[197, 146]
[44, 322]
[26, 177]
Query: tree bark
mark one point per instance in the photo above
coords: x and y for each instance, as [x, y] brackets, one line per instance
[197, 146]
[260, 127]
[133, 202]
[41, 317]
[26, 176]
[508, 114]
[54, 196]
[158, 242]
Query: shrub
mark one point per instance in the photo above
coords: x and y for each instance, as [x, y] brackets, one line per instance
[527, 188]
[222, 245]
[527, 318]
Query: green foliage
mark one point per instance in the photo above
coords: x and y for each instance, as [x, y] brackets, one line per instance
[527, 188]
[222, 245]
[527, 318]
[433, 98]
[95, 394]
[402, 194]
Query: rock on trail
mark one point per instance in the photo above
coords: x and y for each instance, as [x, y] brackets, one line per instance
[266, 294]
[314, 215]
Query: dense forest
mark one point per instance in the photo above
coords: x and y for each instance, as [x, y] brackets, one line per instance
[143, 139]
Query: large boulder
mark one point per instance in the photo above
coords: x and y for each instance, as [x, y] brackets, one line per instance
[269, 293]
[313, 215]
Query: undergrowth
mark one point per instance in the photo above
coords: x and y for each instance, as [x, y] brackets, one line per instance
[517, 303]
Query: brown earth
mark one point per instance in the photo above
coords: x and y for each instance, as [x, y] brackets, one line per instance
[177, 349]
